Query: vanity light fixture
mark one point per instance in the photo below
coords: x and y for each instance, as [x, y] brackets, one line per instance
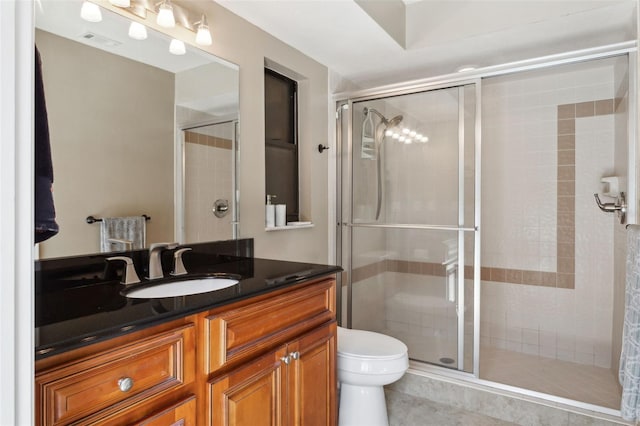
[168, 15]
[137, 31]
[203, 35]
[121, 3]
[177, 47]
[165, 15]
[90, 12]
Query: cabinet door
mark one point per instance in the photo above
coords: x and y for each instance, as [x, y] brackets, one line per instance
[312, 378]
[181, 414]
[252, 395]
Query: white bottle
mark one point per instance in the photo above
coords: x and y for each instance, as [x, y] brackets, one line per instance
[270, 212]
[281, 215]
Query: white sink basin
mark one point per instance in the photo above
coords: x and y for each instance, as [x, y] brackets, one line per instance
[182, 288]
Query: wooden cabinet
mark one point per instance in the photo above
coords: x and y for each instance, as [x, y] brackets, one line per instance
[312, 378]
[273, 362]
[127, 382]
[269, 360]
[291, 385]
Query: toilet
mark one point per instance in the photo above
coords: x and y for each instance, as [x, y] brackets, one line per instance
[366, 362]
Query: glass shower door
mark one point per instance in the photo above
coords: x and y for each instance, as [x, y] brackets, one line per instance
[409, 221]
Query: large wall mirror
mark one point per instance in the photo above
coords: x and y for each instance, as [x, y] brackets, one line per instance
[135, 130]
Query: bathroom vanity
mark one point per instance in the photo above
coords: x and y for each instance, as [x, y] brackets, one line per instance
[260, 352]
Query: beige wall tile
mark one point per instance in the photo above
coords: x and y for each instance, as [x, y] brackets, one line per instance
[604, 106]
[566, 127]
[566, 157]
[566, 281]
[566, 265]
[566, 111]
[566, 173]
[585, 109]
[531, 277]
[567, 141]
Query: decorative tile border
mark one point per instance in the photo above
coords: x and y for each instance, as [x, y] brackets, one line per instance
[564, 277]
[566, 184]
[206, 140]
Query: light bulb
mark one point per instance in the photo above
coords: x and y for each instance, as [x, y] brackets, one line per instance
[203, 36]
[137, 31]
[418, 136]
[395, 136]
[424, 139]
[408, 141]
[401, 138]
[412, 133]
[177, 47]
[121, 3]
[388, 132]
[165, 15]
[90, 12]
[405, 131]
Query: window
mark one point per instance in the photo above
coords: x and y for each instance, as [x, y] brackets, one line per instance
[281, 141]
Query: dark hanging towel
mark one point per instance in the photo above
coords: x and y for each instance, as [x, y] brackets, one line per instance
[45, 212]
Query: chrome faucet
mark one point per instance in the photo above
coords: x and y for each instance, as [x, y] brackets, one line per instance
[178, 265]
[129, 275]
[155, 262]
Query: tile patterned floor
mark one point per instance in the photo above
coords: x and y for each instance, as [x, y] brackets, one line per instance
[407, 410]
[585, 383]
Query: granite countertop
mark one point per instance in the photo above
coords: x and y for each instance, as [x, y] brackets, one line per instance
[81, 309]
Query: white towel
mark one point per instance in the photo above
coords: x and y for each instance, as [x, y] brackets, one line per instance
[629, 375]
[117, 233]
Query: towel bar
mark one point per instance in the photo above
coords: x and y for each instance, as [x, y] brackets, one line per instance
[92, 219]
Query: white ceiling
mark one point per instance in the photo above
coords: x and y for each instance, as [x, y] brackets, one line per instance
[439, 35]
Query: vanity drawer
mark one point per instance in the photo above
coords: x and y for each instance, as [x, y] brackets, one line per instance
[109, 382]
[241, 333]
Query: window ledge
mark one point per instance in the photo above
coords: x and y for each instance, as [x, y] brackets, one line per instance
[289, 227]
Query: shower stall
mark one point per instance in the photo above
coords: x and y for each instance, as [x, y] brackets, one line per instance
[468, 227]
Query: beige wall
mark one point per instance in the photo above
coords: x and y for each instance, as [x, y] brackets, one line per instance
[240, 42]
[119, 166]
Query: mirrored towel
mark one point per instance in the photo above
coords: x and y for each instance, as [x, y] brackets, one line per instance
[114, 230]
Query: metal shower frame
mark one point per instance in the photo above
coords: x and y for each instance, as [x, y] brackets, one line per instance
[344, 102]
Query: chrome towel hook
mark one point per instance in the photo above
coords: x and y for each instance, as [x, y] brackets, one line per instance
[619, 207]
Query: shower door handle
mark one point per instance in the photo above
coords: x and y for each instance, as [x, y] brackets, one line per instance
[451, 277]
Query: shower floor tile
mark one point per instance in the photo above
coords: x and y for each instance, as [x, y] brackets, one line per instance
[585, 383]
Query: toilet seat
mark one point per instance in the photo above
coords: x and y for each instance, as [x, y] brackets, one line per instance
[364, 344]
[369, 353]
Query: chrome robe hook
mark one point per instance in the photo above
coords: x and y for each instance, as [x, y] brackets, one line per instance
[619, 207]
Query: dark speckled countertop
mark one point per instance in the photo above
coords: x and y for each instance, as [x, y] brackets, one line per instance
[78, 307]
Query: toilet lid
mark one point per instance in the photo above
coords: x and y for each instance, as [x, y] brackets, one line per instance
[367, 344]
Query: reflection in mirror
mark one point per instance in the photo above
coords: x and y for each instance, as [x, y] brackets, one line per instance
[120, 115]
[209, 153]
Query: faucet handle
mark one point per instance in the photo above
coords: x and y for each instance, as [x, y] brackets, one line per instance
[178, 265]
[168, 246]
[129, 276]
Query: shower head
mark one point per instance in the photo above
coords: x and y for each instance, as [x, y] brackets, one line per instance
[393, 122]
[387, 123]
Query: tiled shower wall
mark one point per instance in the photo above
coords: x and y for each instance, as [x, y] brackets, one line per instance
[548, 139]
[208, 176]
[547, 251]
